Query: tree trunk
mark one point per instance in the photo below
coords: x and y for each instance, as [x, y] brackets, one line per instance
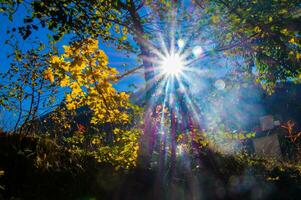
[147, 138]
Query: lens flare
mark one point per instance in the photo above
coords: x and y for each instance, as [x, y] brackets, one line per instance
[181, 43]
[220, 84]
[197, 51]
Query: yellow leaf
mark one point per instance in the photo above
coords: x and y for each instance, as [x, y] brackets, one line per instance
[292, 40]
[124, 30]
[116, 131]
[67, 50]
[70, 106]
[257, 29]
[65, 82]
[116, 28]
[54, 59]
[215, 19]
[49, 75]
[284, 31]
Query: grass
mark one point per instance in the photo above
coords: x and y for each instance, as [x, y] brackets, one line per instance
[37, 168]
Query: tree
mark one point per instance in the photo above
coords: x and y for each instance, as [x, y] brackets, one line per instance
[267, 40]
[83, 68]
[23, 89]
[265, 33]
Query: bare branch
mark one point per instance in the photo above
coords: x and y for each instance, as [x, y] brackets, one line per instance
[128, 72]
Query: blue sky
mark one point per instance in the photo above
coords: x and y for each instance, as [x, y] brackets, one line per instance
[116, 58]
[200, 81]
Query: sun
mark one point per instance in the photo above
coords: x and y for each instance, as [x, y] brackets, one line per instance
[172, 64]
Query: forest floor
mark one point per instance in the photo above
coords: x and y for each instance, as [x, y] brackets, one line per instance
[31, 169]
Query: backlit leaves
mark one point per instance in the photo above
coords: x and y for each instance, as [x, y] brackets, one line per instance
[124, 151]
[83, 69]
[270, 35]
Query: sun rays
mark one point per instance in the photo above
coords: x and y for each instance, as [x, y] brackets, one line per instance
[172, 65]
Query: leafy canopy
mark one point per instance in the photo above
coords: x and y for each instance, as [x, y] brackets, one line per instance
[83, 68]
[267, 33]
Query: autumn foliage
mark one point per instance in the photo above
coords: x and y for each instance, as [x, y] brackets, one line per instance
[83, 69]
